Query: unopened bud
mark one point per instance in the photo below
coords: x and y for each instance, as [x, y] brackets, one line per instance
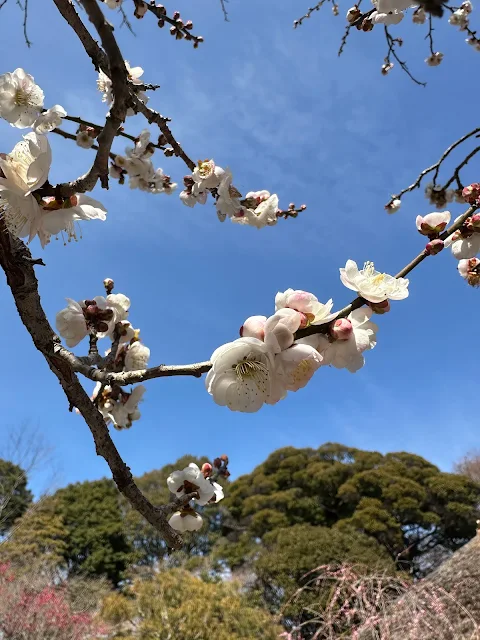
[353, 14]
[434, 246]
[471, 193]
[342, 329]
[303, 207]
[108, 283]
[176, 15]
[473, 223]
[380, 307]
[169, 152]
[189, 24]
[207, 469]
[102, 327]
[140, 10]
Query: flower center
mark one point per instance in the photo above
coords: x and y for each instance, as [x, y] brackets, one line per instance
[378, 279]
[21, 98]
[251, 370]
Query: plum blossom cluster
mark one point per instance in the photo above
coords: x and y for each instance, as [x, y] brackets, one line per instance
[21, 103]
[257, 209]
[26, 213]
[440, 196]
[107, 317]
[201, 486]
[138, 166]
[268, 359]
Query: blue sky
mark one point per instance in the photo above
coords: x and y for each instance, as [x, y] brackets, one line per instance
[285, 114]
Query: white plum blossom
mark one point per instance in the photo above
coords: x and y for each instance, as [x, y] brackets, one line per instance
[392, 17]
[228, 198]
[297, 365]
[191, 480]
[242, 376]
[21, 100]
[433, 223]
[347, 354]
[84, 140]
[120, 305]
[50, 119]
[313, 311]
[54, 220]
[71, 323]
[280, 328]
[254, 327]
[183, 521]
[207, 175]
[113, 4]
[393, 206]
[463, 248]
[25, 169]
[385, 6]
[459, 18]
[124, 412]
[265, 213]
[435, 59]
[470, 271]
[371, 284]
[137, 357]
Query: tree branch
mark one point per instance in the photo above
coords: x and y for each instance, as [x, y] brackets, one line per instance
[16, 261]
[198, 369]
[391, 52]
[436, 167]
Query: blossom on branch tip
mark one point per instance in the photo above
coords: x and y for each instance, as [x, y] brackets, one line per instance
[371, 284]
[264, 214]
[49, 120]
[433, 223]
[242, 376]
[191, 480]
[186, 520]
[228, 198]
[120, 304]
[313, 311]
[435, 59]
[470, 271]
[21, 100]
[394, 205]
[392, 17]
[419, 16]
[471, 193]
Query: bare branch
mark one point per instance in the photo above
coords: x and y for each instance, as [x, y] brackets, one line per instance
[224, 10]
[436, 167]
[391, 42]
[317, 7]
[25, 20]
[153, 117]
[15, 260]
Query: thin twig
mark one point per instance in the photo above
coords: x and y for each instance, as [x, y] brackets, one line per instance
[307, 15]
[456, 176]
[343, 42]
[224, 9]
[391, 52]
[430, 34]
[25, 20]
[158, 12]
[70, 136]
[435, 167]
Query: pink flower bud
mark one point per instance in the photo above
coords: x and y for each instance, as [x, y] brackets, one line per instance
[471, 193]
[342, 329]
[434, 246]
[380, 307]
[207, 469]
[253, 327]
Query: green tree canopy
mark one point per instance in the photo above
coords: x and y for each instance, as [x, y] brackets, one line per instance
[39, 536]
[406, 503]
[14, 495]
[97, 544]
[176, 604]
